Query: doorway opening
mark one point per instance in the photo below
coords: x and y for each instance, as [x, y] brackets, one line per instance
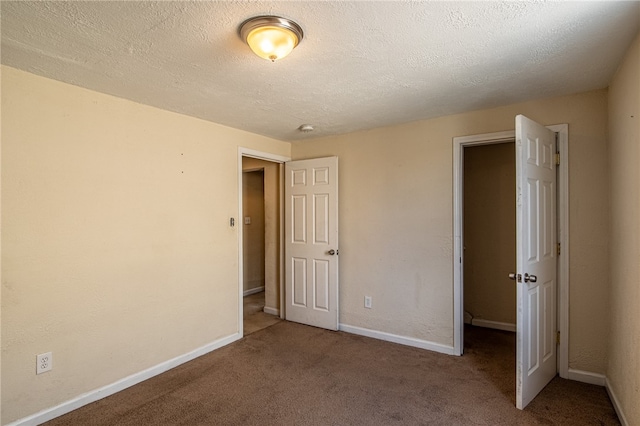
[259, 222]
[460, 145]
[260, 232]
[489, 255]
[489, 235]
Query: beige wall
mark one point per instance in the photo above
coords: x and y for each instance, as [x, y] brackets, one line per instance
[253, 233]
[396, 220]
[272, 228]
[623, 370]
[490, 232]
[117, 252]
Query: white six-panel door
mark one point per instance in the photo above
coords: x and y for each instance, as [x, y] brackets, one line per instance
[536, 259]
[311, 242]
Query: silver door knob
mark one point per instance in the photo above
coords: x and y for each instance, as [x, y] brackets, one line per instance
[332, 252]
[515, 277]
[530, 278]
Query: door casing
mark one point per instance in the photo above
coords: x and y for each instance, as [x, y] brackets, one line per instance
[459, 143]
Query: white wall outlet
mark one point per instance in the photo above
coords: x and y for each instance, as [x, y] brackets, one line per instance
[44, 363]
[247, 220]
[367, 302]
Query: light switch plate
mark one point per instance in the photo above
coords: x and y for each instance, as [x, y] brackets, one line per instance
[367, 302]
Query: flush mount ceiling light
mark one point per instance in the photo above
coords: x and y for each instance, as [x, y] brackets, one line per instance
[271, 37]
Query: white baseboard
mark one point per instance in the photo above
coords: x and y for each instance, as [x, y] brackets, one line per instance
[586, 377]
[271, 311]
[493, 324]
[403, 340]
[252, 291]
[96, 394]
[616, 403]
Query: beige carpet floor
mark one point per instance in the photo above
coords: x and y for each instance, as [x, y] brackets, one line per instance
[291, 374]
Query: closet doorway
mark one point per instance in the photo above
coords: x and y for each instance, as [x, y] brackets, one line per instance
[489, 236]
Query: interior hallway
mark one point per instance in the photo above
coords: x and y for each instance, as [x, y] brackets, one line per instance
[254, 317]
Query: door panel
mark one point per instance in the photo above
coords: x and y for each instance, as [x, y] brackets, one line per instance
[298, 219]
[321, 285]
[299, 282]
[320, 218]
[536, 259]
[311, 242]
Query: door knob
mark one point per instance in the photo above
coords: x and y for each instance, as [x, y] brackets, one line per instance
[332, 252]
[515, 277]
[530, 278]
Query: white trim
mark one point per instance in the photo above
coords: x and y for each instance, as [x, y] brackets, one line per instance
[493, 324]
[239, 227]
[486, 138]
[246, 152]
[586, 377]
[251, 291]
[260, 155]
[403, 340]
[271, 311]
[120, 385]
[282, 266]
[616, 402]
[563, 236]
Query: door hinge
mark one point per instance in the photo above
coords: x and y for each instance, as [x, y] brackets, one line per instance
[558, 249]
[557, 158]
[558, 337]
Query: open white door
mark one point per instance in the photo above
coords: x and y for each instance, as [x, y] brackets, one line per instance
[311, 242]
[536, 259]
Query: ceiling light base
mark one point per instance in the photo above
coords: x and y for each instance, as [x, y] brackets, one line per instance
[271, 37]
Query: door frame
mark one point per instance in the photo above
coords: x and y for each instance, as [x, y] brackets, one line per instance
[459, 143]
[273, 158]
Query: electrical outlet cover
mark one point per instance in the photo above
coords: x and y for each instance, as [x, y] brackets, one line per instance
[44, 363]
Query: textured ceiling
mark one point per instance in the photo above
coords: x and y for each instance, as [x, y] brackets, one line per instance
[360, 65]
